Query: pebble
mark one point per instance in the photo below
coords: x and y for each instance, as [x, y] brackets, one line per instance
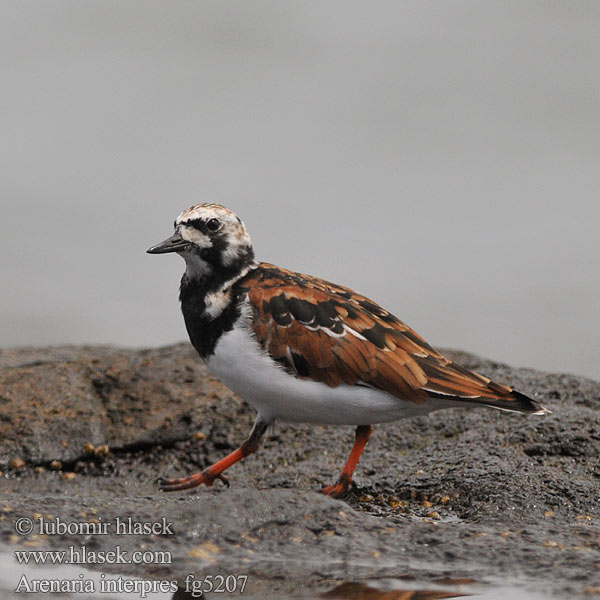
[16, 464]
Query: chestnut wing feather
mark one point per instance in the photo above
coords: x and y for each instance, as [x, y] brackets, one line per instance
[329, 333]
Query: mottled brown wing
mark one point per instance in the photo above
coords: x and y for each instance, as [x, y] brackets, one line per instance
[329, 333]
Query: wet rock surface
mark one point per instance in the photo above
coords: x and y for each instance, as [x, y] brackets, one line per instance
[481, 494]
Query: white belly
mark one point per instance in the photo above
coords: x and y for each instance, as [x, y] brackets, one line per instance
[241, 364]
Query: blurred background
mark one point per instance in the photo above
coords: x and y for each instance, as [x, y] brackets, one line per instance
[440, 157]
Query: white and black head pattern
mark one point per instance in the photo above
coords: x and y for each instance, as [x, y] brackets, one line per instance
[218, 254]
[218, 246]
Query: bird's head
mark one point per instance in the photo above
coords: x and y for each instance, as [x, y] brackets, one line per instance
[212, 240]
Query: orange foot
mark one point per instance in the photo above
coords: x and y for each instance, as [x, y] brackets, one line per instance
[338, 489]
[184, 483]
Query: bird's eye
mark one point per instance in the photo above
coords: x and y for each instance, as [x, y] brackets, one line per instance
[213, 224]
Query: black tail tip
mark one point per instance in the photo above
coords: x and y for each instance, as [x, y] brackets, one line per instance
[521, 403]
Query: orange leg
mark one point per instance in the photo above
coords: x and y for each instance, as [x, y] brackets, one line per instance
[363, 433]
[215, 471]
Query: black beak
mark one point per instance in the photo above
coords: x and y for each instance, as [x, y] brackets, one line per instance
[173, 244]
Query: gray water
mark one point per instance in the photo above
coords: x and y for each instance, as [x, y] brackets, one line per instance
[440, 157]
[23, 580]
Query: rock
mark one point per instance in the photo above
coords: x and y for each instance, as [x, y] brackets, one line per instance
[456, 496]
[56, 401]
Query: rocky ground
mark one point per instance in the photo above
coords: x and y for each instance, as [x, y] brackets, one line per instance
[460, 502]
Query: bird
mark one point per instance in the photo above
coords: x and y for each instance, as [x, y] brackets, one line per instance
[301, 349]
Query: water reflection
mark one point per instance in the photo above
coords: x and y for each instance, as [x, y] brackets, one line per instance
[392, 589]
[361, 591]
[358, 591]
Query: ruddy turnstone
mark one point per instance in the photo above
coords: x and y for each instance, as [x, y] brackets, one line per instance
[301, 349]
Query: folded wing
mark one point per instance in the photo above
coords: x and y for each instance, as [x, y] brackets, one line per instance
[328, 333]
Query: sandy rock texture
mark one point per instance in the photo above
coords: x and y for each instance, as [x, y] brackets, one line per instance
[459, 502]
